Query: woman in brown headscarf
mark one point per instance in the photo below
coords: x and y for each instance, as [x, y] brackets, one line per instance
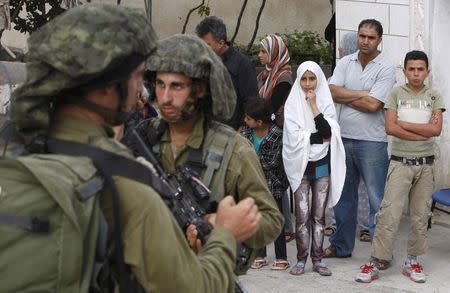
[275, 81]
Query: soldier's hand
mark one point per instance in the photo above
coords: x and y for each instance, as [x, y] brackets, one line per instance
[140, 104]
[210, 218]
[241, 219]
[191, 235]
[118, 132]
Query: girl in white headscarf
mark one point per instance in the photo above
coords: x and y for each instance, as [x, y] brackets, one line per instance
[314, 158]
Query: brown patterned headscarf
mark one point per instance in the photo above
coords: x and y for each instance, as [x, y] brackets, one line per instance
[278, 69]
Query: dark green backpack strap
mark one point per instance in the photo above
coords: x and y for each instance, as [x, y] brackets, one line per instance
[31, 224]
[116, 164]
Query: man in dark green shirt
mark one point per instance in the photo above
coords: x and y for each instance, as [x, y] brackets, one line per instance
[193, 89]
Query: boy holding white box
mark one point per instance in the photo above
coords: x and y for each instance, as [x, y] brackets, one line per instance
[413, 118]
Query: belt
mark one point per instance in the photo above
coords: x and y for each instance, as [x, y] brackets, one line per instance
[415, 160]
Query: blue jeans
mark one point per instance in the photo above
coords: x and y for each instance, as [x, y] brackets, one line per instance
[368, 160]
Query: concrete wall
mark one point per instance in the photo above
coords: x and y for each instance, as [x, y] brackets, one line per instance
[278, 16]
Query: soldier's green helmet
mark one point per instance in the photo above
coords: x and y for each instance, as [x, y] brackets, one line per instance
[190, 55]
[88, 47]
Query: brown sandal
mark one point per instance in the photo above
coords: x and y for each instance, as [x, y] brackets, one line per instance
[329, 231]
[383, 264]
[280, 265]
[259, 263]
[330, 252]
[364, 236]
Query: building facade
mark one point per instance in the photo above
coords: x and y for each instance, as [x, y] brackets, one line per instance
[410, 25]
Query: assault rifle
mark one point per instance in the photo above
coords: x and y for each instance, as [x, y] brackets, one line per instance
[183, 202]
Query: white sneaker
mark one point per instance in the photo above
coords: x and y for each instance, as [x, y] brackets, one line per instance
[368, 273]
[414, 271]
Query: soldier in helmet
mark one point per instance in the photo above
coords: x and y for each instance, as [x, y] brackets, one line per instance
[85, 71]
[193, 89]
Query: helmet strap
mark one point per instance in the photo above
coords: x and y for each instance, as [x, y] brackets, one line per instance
[187, 113]
[111, 117]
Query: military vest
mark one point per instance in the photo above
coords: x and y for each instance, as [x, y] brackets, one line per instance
[49, 221]
[214, 156]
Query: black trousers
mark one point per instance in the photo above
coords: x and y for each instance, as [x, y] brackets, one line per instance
[280, 242]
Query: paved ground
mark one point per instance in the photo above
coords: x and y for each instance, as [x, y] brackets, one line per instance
[436, 263]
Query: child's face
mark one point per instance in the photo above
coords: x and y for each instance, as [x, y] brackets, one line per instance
[308, 81]
[252, 123]
[416, 71]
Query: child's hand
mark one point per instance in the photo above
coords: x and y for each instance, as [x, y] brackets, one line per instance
[434, 119]
[311, 97]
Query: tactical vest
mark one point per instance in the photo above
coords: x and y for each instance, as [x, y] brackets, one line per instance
[216, 151]
[50, 223]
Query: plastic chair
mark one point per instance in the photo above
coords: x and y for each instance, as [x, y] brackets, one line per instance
[442, 197]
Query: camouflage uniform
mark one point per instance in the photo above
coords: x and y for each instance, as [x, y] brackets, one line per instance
[76, 49]
[243, 175]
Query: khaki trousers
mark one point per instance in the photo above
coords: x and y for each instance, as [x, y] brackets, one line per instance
[415, 183]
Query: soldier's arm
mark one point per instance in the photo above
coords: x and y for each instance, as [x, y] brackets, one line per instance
[158, 253]
[245, 178]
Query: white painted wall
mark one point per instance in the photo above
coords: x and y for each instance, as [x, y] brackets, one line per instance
[440, 66]
[394, 15]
